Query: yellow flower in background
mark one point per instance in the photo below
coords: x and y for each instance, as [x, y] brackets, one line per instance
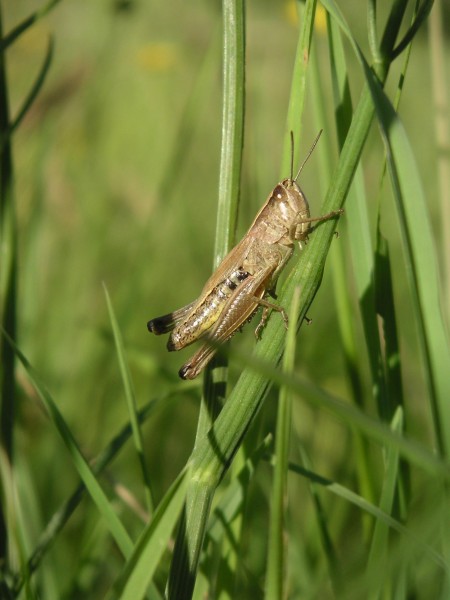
[320, 22]
[290, 10]
[158, 56]
[291, 13]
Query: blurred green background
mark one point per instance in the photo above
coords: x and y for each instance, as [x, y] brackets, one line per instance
[116, 174]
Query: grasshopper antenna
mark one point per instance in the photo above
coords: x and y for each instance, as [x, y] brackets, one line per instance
[307, 156]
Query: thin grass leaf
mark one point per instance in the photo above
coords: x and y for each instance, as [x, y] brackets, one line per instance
[10, 37]
[357, 219]
[114, 524]
[298, 87]
[440, 109]
[32, 94]
[384, 282]
[422, 271]
[276, 585]
[373, 510]
[131, 403]
[379, 547]
[422, 14]
[232, 126]
[224, 560]
[15, 523]
[348, 413]
[8, 286]
[140, 568]
[372, 31]
[62, 515]
[230, 503]
[323, 519]
[357, 222]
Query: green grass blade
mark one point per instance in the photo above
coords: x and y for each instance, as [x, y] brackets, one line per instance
[230, 503]
[139, 570]
[359, 232]
[375, 511]
[62, 515]
[10, 37]
[8, 285]
[131, 402]
[379, 548]
[232, 126]
[353, 416]
[421, 262]
[276, 586]
[440, 108]
[323, 520]
[298, 87]
[35, 89]
[357, 236]
[95, 491]
[422, 14]
[190, 534]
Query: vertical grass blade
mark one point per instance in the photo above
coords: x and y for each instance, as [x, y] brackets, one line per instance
[232, 126]
[298, 86]
[200, 492]
[379, 548]
[131, 403]
[138, 573]
[441, 113]
[422, 271]
[276, 581]
[8, 286]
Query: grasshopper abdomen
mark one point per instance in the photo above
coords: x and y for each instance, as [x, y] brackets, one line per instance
[205, 312]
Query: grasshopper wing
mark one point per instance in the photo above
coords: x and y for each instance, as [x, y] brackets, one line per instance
[240, 308]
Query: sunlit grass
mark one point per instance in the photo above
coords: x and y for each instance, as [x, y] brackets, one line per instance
[116, 178]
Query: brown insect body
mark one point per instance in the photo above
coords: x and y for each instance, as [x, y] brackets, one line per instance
[237, 288]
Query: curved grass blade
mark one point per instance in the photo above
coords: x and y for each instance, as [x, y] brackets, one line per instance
[375, 511]
[32, 93]
[100, 499]
[348, 413]
[61, 516]
[140, 568]
[131, 402]
[10, 37]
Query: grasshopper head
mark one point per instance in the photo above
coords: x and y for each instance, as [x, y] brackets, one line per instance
[299, 223]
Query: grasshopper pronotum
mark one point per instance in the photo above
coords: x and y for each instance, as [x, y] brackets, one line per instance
[233, 293]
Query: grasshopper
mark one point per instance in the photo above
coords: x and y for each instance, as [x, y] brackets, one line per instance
[244, 278]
